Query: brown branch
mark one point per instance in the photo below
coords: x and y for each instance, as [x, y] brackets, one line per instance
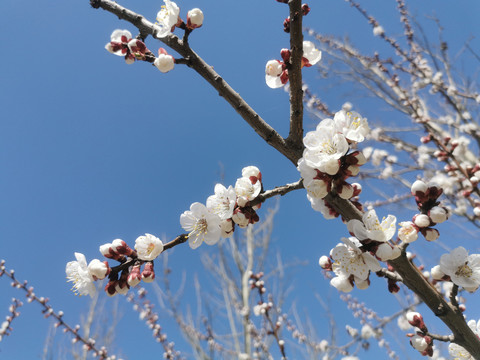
[415, 281]
[279, 190]
[390, 275]
[206, 71]
[295, 75]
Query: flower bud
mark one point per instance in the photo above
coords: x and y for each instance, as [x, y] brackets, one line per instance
[437, 273]
[317, 188]
[419, 186]
[421, 220]
[344, 190]
[98, 269]
[362, 285]
[194, 18]
[227, 227]
[148, 274]
[418, 342]
[415, 319]
[325, 262]
[384, 252]
[240, 218]
[438, 214]
[134, 277]
[252, 171]
[164, 62]
[121, 247]
[331, 167]
[430, 234]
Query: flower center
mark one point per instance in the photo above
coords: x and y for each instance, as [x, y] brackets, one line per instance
[200, 227]
[150, 248]
[355, 120]
[464, 270]
[327, 147]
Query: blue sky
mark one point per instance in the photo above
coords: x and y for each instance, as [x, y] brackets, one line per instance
[93, 149]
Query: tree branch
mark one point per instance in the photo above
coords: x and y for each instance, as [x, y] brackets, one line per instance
[295, 74]
[279, 190]
[206, 71]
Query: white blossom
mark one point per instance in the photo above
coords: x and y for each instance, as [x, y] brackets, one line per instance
[223, 202]
[201, 225]
[273, 72]
[378, 31]
[342, 284]
[408, 232]
[319, 205]
[324, 147]
[311, 54]
[352, 125]
[167, 18]
[371, 228]
[77, 272]
[350, 260]
[148, 247]
[246, 190]
[457, 351]
[463, 269]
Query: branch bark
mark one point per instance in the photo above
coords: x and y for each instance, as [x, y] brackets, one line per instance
[261, 127]
[295, 75]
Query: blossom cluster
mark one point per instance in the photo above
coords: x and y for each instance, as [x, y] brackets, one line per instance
[276, 71]
[5, 327]
[168, 18]
[431, 213]
[227, 208]
[420, 341]
[120, 278]
[325, 164]
[123, 44]
[353, 260]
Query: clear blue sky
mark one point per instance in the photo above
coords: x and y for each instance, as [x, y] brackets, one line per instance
[93, 149]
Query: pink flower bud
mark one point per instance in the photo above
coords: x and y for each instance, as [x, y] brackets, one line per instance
[134, 277]
[121, 247]
[148, 274]
[110, 288]
[285, 53]
[415, 319]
